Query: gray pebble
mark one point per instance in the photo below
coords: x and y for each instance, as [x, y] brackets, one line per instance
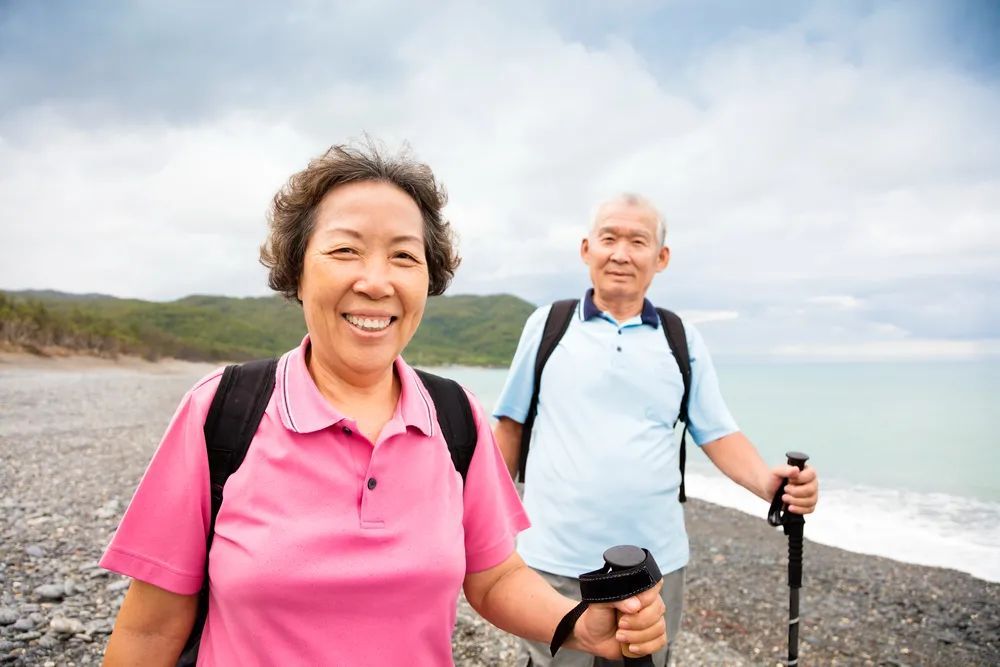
[99, 626]
[23, 624]
[119, 585]
[48, 640]
[7, 615]
[50, 592]
[35, 551]
[108, 511]
[27, 636]
[65, 626]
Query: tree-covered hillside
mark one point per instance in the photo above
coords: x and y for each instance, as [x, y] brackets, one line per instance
[471, 330]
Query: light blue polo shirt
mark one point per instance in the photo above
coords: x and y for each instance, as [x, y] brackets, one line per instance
[603, 465]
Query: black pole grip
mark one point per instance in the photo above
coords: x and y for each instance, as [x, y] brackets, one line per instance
[618, 559]
[627, 571]
[797, 459]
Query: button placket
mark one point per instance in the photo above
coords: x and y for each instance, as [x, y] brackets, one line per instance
[371, 502]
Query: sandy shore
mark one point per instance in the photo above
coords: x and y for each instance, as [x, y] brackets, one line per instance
[76, 434]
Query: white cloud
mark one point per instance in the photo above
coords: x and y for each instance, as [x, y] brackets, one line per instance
[702, 316]
[795, 165]
[837, 301]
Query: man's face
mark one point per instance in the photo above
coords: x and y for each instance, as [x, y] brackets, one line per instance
[623, 252]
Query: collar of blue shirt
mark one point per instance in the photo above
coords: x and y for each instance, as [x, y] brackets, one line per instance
[649, 316]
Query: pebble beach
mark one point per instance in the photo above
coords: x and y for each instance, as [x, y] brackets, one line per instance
[77, 433]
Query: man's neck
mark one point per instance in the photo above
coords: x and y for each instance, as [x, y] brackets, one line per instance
[621, 309]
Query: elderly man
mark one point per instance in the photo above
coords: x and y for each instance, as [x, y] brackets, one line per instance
[601, 426]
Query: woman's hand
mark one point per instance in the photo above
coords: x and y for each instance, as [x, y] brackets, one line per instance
[640, 628]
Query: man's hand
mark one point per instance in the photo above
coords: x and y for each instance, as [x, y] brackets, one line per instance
[736, 456]
[802, 490]
[640, 627]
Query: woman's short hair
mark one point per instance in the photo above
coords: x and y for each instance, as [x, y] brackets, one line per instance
[292, 215]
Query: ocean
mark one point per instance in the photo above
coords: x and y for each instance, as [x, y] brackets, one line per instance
[907, 455]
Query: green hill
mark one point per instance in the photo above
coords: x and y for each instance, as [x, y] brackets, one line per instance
[469, 330]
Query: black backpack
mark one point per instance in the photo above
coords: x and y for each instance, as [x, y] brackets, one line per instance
[556, 325]
[235, 414]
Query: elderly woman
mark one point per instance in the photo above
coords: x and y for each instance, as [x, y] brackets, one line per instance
[346, 532]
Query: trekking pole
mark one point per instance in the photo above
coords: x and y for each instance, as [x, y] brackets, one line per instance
[627, 571]
[793, 525]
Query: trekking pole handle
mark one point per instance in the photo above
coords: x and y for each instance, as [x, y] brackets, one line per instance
[776, 515]
[797, 459]
[620, 558]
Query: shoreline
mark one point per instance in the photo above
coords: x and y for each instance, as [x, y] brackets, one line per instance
[73, 445]
[63, 358]
[60, 359]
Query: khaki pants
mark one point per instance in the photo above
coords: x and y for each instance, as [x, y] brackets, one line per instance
[536, 654]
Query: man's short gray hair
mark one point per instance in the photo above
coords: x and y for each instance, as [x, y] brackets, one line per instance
[632, 199]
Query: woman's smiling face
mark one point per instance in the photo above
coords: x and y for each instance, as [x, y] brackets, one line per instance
[364, 277]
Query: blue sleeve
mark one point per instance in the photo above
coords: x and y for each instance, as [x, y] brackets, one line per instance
[516, 395]
[707, 412]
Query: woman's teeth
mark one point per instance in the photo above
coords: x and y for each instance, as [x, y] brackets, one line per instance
[369, 323]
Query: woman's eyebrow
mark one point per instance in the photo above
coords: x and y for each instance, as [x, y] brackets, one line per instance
[341, 230]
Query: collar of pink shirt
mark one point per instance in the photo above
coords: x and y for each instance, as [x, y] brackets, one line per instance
[303, 408]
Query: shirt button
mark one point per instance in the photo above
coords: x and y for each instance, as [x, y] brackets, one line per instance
[347, 431]
[371, 483]
[619, 332]
[619, 348]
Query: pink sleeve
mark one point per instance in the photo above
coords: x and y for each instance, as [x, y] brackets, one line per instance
[161, 538]
[493, 512]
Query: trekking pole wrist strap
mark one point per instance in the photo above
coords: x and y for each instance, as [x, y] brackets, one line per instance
[607, 585]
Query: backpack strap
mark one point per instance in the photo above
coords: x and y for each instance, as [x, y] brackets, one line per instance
[233, 418]
[556, 324]
[454, 415]
[673, 329]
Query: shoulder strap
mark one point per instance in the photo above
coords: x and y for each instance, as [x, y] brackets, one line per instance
[232, 421]
[556, 324]
[673, 329]
[454, 415]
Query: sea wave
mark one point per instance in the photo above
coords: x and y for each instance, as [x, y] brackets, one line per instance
[936, 529]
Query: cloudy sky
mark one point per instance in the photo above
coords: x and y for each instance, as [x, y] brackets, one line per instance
[830, 171]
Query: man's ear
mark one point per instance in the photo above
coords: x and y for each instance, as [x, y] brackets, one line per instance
[584, 249]
[662, 259]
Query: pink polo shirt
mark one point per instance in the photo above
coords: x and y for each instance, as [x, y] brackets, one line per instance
[327, 550]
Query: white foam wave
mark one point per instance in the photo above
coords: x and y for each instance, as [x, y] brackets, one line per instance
[924, 528]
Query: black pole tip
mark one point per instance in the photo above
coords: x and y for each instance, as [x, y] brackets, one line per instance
[624, 556]
[797, 459]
